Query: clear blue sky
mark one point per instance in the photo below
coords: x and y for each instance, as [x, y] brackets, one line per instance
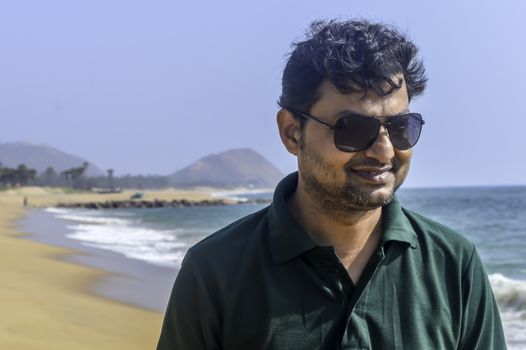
[150, 86]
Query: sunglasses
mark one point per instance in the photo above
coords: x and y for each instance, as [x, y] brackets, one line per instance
[354, 132]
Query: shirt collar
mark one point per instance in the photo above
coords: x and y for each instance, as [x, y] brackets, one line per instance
[287, 239]
[397, 226]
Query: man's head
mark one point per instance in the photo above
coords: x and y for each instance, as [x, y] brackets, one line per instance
[353, 56]
[343, 68]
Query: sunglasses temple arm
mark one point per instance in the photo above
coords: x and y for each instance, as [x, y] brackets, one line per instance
[316, 120]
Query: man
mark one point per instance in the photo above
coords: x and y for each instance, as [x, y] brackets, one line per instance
[335, 262]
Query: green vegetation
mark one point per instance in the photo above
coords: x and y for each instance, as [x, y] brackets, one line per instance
[21, 176]
[74, 180]
[71, 180]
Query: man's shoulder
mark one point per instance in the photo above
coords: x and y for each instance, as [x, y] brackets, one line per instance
[431, 232]
[239, 235]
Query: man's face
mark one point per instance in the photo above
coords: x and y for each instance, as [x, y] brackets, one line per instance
[340, 181]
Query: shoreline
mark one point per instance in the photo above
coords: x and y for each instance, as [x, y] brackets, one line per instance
[60, 293]
[47, 297]
[125, 280]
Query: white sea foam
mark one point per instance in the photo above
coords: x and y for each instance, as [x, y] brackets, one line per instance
[228, 193]
[514, 324]
[237, 194]
[238, 199]
[87, 217]
[57, 210]
[148, 254]
[154, 246]
[95, 220]
[511, 297]
[124, 236]
[509, 293]
[167, 248]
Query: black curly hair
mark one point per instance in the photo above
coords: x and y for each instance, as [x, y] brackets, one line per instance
[350, 54]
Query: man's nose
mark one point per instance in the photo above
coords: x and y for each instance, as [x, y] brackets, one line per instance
[382, 149]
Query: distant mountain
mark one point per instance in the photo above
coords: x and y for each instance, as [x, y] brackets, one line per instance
[235, 168]
[40, 157]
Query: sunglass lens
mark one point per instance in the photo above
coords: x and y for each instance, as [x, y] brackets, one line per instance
[404, 130]
[355, 133]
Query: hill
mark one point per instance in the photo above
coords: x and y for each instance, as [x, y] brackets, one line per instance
[234, 168]
[40, 157]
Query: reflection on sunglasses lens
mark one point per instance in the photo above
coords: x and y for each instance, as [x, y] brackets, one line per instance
[357, 133]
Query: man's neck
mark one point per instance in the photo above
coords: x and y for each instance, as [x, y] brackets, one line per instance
[353, 239]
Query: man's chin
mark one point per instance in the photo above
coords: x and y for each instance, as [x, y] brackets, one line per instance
[370, 199]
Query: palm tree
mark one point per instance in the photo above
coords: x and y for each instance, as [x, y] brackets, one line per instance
[75, 175]
[110, 179]
[49, 177]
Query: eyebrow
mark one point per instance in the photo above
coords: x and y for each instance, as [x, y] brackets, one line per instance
[351, 112]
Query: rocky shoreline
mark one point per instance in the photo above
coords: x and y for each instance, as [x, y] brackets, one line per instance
[142, 204]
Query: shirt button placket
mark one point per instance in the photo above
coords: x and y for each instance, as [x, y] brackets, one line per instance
[349, 340]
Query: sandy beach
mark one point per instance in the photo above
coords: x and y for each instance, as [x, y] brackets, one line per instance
[47, 302]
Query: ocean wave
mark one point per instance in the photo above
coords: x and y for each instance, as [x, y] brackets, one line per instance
[95, 220]
[511, 298]
[242, 195]
[57, 210]
[160, 247]
[514, 324]
[127, 236]
[81, 216]
[509, 293]
[133, 236]
[228, 193]
[147, 254]
[238, 199]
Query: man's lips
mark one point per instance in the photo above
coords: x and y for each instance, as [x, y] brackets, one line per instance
[376, 175]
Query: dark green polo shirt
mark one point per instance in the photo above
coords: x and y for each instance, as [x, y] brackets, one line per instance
[263, 283]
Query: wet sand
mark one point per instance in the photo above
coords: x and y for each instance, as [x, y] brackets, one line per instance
[126, 280]
[50, 301]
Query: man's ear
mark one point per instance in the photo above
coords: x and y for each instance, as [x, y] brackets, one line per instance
[289, 130]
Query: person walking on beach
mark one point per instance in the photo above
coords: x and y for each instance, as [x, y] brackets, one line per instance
[335, 262]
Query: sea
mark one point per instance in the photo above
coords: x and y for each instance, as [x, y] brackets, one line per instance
[493, 217]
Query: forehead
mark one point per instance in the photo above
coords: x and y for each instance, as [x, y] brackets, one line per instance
[331, 102]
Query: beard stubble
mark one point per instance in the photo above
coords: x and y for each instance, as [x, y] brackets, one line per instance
[338, 201]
